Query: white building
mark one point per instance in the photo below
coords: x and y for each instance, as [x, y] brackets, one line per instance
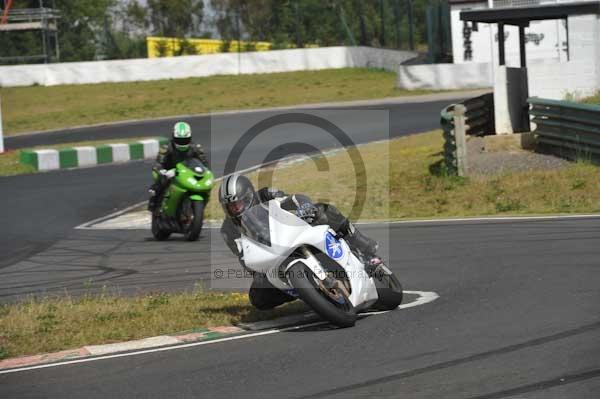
[563, 53]
[546, 40]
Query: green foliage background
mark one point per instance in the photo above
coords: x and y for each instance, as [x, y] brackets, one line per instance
[116, 29]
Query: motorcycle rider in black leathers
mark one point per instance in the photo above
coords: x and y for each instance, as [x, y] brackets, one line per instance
[179, 149]
[237, 194]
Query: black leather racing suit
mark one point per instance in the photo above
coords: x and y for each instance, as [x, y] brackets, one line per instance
[262, 294]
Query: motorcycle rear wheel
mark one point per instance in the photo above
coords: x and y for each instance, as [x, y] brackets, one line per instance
[341, 314]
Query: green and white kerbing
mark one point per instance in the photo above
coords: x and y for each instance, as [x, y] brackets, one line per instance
[76, 157]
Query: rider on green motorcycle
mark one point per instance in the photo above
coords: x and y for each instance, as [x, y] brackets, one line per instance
[179, 149]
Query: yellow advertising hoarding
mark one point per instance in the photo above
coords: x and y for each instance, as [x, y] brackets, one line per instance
[169, 47]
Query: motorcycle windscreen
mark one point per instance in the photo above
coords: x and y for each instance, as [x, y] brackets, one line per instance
[195, 164]
[255, 224]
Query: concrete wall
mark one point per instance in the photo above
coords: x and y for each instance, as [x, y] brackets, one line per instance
[584, 45]
[552, 81]
[371, 57]
[201, 65]
[557, 81]
[510, 100]
[445, 76]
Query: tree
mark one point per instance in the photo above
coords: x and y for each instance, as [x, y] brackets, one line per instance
[176, 18]
[132, 22]
[80, 26]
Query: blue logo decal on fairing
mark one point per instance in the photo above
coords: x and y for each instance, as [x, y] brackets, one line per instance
[333, 247]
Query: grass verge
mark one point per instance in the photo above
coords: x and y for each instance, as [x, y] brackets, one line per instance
[418, 188]
[9, 160]
[595, 99]
[71, 105]
[52, 324]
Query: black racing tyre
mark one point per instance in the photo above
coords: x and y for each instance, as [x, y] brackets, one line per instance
[158, 233]
[303, 280]
[389, 291]
[195, 227]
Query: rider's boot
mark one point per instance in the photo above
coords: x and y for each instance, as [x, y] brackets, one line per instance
[263, 295]
[366, 246]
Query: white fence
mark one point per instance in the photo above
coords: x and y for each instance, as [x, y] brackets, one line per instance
[445, 76]
[547, 80]
[202, 65]
[575, 79]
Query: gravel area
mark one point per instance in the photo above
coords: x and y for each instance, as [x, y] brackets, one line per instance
[490, 163]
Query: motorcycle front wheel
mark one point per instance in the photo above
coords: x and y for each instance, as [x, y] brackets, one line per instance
[389, 291]
[159, 233]
[331, 304]
[192, 218]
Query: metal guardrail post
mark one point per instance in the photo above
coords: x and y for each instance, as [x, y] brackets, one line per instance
[475, 117]
[460, 137]
[447, 123]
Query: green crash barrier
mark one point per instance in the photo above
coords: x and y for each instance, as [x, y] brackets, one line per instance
[571, 129]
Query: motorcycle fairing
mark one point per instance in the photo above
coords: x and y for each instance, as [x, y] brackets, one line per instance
[287, 233]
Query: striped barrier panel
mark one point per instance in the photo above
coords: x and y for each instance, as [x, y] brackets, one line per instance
[75, 157]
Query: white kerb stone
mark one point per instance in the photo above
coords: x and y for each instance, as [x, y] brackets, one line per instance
[120, 152]
[48, 159]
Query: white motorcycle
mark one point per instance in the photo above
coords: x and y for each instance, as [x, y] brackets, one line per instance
[311, 263]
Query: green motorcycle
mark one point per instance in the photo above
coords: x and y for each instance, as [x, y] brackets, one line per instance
[181, 206]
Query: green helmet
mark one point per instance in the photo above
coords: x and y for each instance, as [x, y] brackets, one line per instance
[182, 136]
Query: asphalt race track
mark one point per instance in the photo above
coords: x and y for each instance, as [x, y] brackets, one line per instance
[39, 209]
[517, 317]
[517, 314]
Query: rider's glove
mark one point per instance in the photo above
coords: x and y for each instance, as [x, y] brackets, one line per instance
[169, 174]
[307, 212]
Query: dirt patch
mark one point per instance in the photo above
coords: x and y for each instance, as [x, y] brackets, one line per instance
[481, 162]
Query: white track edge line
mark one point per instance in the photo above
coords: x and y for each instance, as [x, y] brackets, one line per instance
[424, 297]
[484, 219]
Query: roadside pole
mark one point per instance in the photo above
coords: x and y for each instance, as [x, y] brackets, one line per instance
[491, 26]
[239, 46]
[1, 132]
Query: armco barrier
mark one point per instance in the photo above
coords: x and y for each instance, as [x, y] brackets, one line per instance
[479, 115]
[571, 128]
[474, 116]
[75, 157]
